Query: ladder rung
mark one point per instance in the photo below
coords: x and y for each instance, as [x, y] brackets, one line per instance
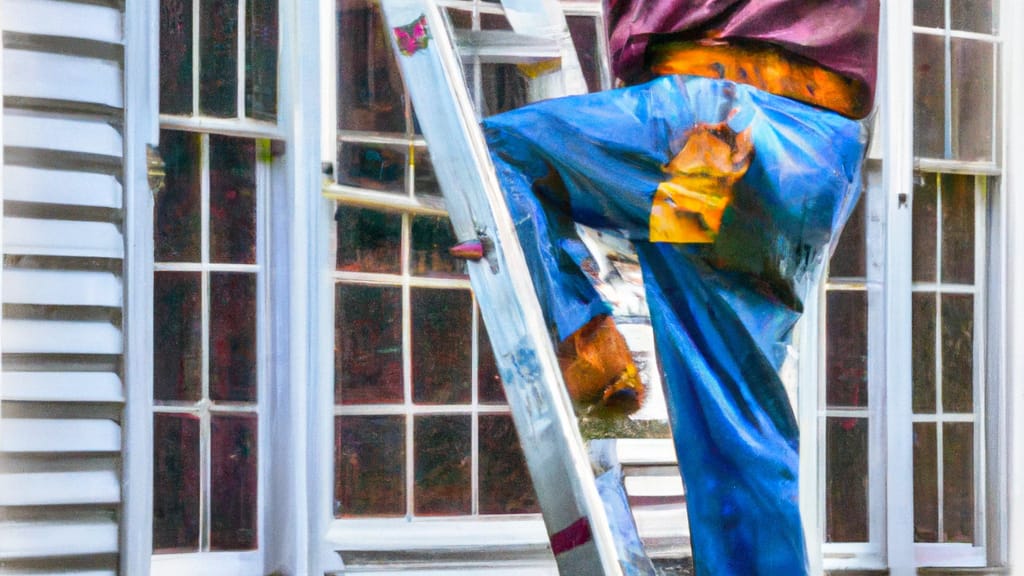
[505, 47]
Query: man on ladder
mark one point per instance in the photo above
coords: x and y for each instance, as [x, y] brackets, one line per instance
[732, 161]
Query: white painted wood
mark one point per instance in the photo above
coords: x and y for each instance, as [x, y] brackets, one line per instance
[64, 572]
[62, 287]
[442, 534]
[28, 184]
[56, 539]
[60, 488]
[208, 564]
[536, 568]
[59, 435]
[649, 452]
[64, 134]
[62, 387]
[34, 236]
[62, 77]
[60, 337]
[68, 19]
[654, 486]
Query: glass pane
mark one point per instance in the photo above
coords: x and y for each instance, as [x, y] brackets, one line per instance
[442, 340]
[971, 15]
[850, 257]
[504, 88]
[925, 234]
[460, 19]
[958, 482]
[175, 483]
[370, 94]
[930, 13]
[232, 200]
[233, 336]
[926, 483]
[177, 336]
[368, 345]
[846, 500]
[443, 465]
[176, 56]
[847, 348]
[233, 482]
[369, 452]
[494, 22]
[583, 30]
[491, 390]
[929, 96]
[425, 181]
[958, 228]
[261, 59]
[368, 240]
[218, 57]
[374, 167]
[923, 351]
[176, 209]
[958, 353]
[973, 89]
[432, 236]
[505, 485]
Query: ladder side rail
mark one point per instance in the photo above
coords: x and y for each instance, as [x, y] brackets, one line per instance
[540, 405]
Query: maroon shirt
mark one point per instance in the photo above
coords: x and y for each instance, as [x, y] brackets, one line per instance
[841, 35]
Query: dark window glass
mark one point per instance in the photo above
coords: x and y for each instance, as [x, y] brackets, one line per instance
[176, 56]
[371, 166]
[368, 240]
[925, 234]
[850, 257]
[442, 340]
[504, 88]
[491, 389]
[368, 343]
[494, 22]
[218, 57]
[846, 499]
[958, 482]
[232, 336]
[958, 229]
[505, 485]
[926, 483]
[442, 464]
[971, 15]
[232, 200]
[176, 210]
[930, 13]
[369, 452]
[583, 30]
[261, 59]
[923, 351]
[432, 236]
[176, 481]
[847, 348]
[929, 96]
[233, 482]
[177, 336]
[425, 180]
[973, 86]
[958, 353]
[370, 92]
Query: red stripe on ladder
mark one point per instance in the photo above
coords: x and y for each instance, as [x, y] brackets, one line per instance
[573, 536]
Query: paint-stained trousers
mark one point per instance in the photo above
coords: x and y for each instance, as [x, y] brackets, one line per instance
[722, 311]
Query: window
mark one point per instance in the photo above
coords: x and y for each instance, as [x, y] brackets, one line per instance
[948, 247]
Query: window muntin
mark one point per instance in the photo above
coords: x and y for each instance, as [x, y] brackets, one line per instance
[207, 341]
[219, 58]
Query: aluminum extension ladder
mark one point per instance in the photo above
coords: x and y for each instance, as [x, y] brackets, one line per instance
[576, 506]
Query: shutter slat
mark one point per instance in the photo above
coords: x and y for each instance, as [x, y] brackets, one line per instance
[72, 19]
[62, 77]
[64, 134]
[62, 287]
[53, 539]
[65, 488]
[59, 435]
[654, 486]
[33, 236]
[62, 387]
[650, 452]
[60, 337]
[26, 184]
